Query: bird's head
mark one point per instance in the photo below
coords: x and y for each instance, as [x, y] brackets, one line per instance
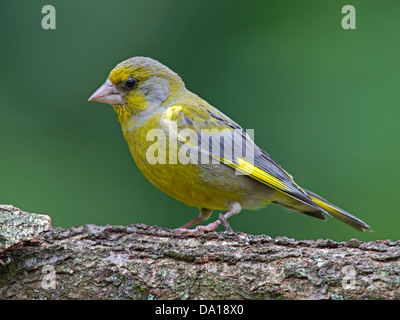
[137, 82]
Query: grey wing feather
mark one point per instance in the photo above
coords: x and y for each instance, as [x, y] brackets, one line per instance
[263, 160]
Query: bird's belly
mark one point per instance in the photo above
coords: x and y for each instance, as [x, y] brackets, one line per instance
[212, 186]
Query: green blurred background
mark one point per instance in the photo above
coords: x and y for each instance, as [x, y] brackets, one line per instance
[323, 101]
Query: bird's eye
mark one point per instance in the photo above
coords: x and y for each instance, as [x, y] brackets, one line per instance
[130, 84]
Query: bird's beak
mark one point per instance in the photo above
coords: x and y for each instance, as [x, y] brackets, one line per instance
[107, 93]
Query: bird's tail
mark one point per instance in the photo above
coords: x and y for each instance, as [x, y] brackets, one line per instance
[338, 213]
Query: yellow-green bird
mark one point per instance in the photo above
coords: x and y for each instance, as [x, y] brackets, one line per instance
[171, 132]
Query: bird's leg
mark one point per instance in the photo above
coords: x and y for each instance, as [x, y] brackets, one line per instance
[234, 209]
[225, 223]
[191, 223]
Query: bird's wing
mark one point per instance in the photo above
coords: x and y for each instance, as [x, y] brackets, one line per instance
[207, 131]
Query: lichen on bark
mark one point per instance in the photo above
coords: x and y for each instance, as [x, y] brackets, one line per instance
[149, 262]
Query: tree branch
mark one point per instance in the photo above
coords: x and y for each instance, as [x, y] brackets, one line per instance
[149, 262]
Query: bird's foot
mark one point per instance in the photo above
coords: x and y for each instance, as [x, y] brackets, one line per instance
[208, 228]
[223, 218]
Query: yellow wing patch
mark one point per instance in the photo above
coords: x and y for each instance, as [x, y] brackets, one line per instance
[170, 119]
[258, 174]
[172, 113]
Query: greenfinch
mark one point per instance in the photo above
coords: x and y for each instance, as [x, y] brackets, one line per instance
[187, 148]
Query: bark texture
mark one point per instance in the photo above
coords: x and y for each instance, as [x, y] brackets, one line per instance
[149, 262]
